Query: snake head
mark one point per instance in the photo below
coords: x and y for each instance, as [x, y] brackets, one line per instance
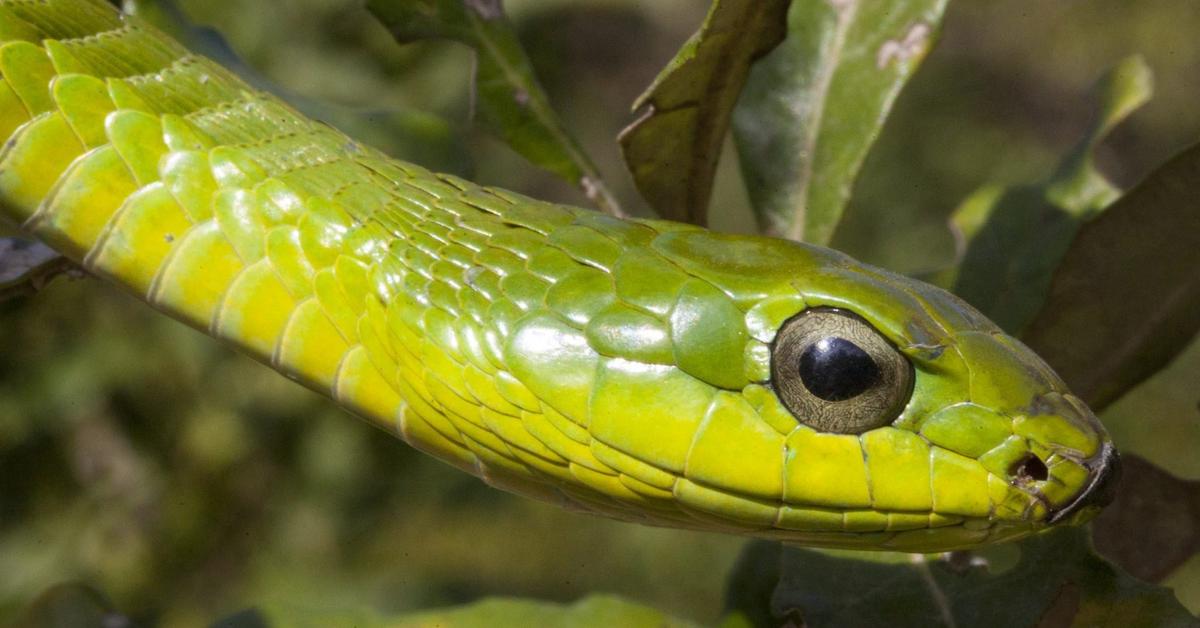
[818, 400]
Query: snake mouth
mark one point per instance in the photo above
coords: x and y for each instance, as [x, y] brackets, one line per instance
[1104, 477]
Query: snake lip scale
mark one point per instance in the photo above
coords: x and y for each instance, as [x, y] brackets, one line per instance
[644, 370]
[1102, 485]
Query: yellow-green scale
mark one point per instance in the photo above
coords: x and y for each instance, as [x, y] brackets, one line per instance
[281, 262]
[229, 211]
[608, 365]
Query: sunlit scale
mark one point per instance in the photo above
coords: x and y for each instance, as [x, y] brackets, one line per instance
[618, 367]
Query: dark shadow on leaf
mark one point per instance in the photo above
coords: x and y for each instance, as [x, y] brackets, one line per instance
[1058, 581]
[1153, 526]
[1125, 300]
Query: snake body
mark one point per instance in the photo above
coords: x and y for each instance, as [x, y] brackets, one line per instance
[623, 367]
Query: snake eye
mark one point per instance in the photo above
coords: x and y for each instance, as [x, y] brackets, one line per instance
[835, 373]
[836, 369]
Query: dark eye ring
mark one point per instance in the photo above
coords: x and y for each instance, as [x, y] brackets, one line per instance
[834, 372]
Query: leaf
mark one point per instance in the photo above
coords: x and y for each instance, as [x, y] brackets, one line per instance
[417, 136]
[813, 107]
[1056, 581]
[508, 99]
[1126, 299]
[1165, 512]
[673, 147]
[1078, 186]
[26, 266]
[599, 611]
[1012, 239]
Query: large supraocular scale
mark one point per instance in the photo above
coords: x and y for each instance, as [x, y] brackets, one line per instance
[644, 370]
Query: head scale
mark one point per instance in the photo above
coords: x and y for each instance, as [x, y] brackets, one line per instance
[793, 393]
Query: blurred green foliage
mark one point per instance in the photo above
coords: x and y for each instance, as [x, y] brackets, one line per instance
[188, 483]
[507, 99]
[594, 611]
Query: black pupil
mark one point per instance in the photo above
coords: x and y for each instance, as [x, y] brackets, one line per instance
[836, 369]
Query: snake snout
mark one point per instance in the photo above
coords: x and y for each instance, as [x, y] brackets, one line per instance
[1104, 476]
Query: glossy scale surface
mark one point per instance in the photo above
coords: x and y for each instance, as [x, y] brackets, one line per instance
[617, 367]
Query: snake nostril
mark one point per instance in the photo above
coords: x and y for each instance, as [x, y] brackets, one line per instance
[1029, 469]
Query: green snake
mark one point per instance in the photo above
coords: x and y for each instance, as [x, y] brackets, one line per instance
[640, 369]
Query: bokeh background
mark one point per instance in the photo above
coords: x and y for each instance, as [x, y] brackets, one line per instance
[188, 482]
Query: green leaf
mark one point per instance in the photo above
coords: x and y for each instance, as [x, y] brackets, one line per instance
[598, 611]
[26, 266]
[1078, 186]
[1057, 580]
[417, 136]
[673, 147]
[508, 99]
[1126, 299]
[813, 107]
[1012, 239]
[1165, 511]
